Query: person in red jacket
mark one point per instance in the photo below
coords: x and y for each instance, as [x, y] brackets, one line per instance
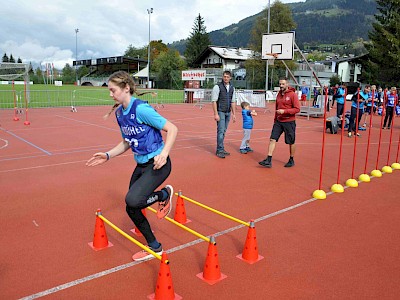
[287, 106]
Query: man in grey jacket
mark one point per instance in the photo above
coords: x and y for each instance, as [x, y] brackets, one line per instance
[223, 101]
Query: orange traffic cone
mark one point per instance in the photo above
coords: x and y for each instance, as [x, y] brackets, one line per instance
[212, 272]
[100, 240]
[135, 230]
[180, 212]
[164, 287]
[250, 251]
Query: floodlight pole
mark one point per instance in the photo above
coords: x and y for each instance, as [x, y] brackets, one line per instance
[267, 64]
[149, 11]
[76, 55]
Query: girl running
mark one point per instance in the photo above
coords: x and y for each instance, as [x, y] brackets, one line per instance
[141, 129]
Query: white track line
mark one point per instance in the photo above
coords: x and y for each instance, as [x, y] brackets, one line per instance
[5, 144]
[131, 264]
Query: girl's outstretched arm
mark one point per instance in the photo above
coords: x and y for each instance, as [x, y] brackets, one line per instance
[101, 157]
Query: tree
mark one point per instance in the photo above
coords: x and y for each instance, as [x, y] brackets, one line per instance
[157, 47]
[134, 52]
[334, 80]
[5, 58]
[83, 71]
[19, 60]
[316, 56]
[197, 42]
[12, 60]
[68, 74]
[281, 20]
[168, 66]
[382, 64]
[38, 76]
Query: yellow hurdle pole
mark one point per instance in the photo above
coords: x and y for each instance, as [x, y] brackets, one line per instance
[184, 227]
[131, 238]
[214, 210]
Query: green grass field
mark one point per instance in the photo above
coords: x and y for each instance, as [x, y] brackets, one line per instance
[41, 95]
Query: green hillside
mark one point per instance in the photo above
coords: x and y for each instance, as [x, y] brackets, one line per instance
[318, 22]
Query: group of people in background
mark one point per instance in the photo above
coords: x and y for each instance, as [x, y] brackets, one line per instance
[364, 102]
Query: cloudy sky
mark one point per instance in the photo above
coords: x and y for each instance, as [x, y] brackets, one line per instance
[44, 30]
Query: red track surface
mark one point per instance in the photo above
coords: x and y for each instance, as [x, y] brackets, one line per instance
[344, 247]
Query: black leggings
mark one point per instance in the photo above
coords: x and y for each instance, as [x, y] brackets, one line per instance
[353, 123]
[142, 194]
[389, 115]
[339, 111]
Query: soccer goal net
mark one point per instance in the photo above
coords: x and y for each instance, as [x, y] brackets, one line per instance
[10, 72]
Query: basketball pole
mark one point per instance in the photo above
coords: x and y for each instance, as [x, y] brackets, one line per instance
[267, 64]
[308, 64]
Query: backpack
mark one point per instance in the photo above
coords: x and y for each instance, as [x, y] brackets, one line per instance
[333, 124]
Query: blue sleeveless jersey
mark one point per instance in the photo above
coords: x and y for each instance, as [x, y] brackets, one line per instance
[375, 98]
[145, 140]
[391, 100]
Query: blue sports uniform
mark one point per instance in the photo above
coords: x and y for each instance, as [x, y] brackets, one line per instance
[140, 126]
[391, 102]
[357, 107]
[340, 101]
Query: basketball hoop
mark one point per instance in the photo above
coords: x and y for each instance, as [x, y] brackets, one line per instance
[271, 58]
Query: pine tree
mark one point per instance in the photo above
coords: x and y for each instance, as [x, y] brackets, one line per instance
[382, 64]
[197, 42]
[5, 58]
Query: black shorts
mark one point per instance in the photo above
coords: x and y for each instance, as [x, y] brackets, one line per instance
[288, 127]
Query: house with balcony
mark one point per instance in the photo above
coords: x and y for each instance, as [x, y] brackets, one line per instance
[347, 69]
[215, 60]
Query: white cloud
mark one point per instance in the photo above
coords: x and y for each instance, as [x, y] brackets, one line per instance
[45, 32]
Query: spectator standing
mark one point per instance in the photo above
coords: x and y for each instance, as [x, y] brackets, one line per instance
[247, 127]
[224, 103]
[391, 102]
[357, 104]
[304, 93]
[287, 106]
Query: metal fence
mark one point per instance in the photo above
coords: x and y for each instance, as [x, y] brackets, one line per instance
[79, 97]
[96, 97]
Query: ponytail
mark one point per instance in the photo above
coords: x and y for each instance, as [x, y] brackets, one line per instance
[122, 79]
[110, 112]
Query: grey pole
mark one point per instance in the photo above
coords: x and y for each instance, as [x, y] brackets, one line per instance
[149, 11]
[76, 55]
[267, 65]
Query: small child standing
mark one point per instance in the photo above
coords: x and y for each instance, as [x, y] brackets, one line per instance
[247, 127]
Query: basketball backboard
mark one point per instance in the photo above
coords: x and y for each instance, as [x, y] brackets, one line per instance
[279, 43]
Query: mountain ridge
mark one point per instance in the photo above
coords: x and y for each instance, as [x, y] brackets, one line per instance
[318, 22]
